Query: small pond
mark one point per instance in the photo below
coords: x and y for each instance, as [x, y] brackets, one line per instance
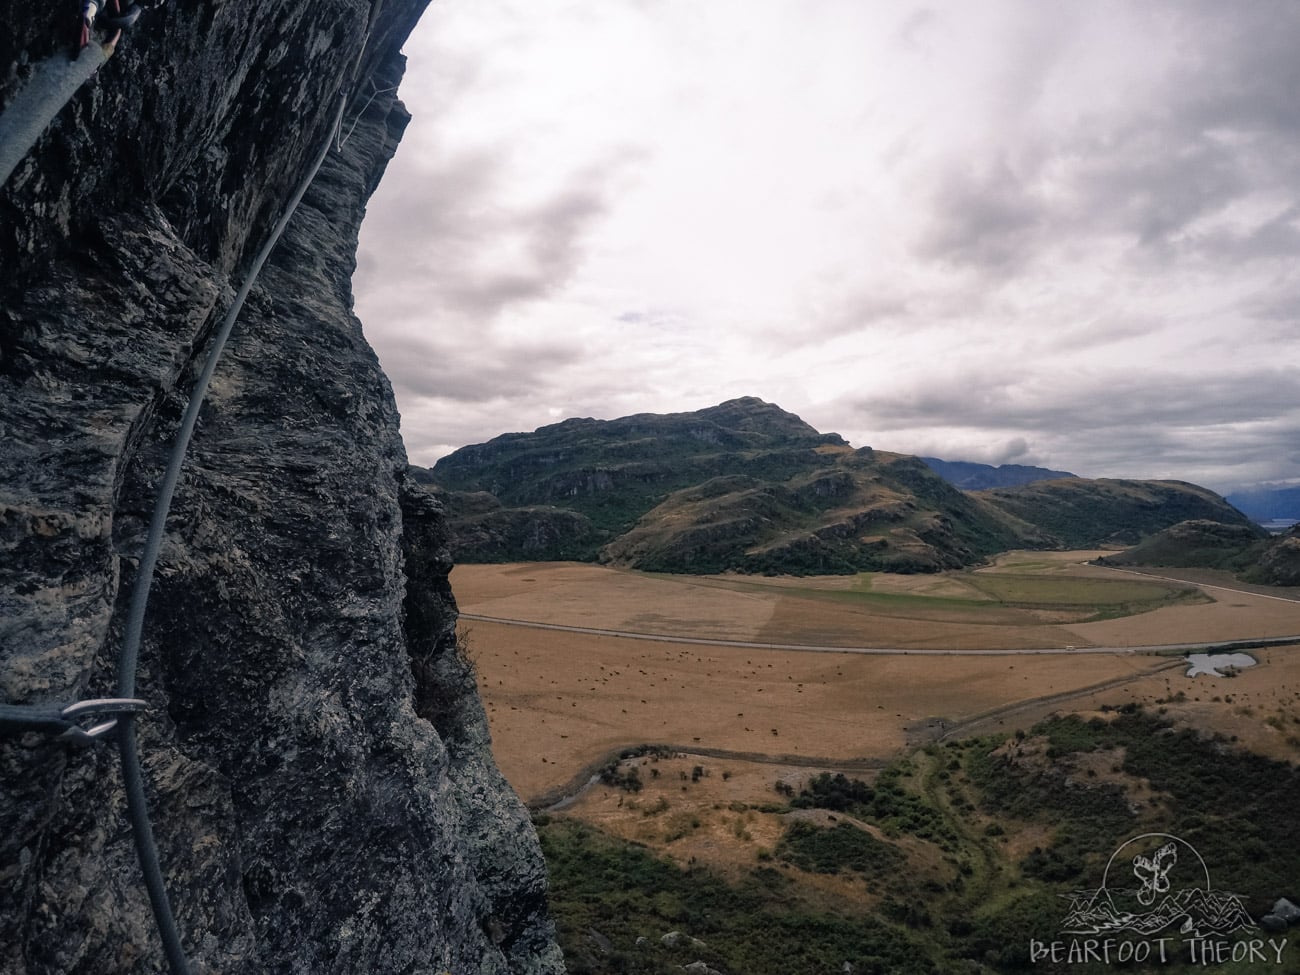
[1214, 664]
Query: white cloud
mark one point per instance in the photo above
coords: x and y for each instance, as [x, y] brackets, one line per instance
[952, 227]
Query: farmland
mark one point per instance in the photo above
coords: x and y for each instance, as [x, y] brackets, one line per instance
[732, 723]
[559, 701]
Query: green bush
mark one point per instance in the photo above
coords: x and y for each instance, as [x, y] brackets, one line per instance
[753, 926]
[843, 847]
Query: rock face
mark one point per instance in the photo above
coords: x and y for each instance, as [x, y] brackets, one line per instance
[315, 755]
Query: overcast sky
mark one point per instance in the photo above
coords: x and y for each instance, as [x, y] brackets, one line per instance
[1052, 233]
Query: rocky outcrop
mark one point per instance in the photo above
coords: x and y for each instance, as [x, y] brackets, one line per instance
[530, 534]
[316, 755]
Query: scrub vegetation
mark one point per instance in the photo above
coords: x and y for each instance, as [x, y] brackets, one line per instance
[951, 861]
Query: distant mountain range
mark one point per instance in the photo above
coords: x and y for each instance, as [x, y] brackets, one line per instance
[746, 486]
[976, 477]
[1265, 504]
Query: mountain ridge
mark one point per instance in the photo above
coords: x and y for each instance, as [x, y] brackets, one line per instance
[1266, 503]
[1248, 551]
[970, 476]
[746, 486]
[1100, 512]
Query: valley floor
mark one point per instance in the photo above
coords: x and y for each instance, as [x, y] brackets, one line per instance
[560, 702]
[704, 833]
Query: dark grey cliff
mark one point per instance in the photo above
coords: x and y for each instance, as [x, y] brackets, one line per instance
[316, 755]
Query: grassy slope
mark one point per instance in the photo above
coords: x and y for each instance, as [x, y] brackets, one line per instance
[865, 511]
[1089, 513]
[745, 486]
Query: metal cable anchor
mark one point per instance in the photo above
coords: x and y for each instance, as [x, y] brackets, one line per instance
[98, 707]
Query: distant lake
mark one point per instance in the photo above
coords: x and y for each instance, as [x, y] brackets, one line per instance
[1213, 664]
[1277, 525]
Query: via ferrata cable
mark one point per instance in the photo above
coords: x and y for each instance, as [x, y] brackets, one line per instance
[51, 86]
[128, 657]
[55, 80]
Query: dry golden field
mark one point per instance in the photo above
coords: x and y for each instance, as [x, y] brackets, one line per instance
[560, 701]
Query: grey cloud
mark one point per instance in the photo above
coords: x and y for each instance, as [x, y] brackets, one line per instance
[1015, 449]
[1249, 76]
[982, 216]
[1278, 237]
[1153, 183]
[914, 28]
[1145, 183]
[1120, 399]
[1279, 308]
[844, 312]
[1126, 424]
[437, 247]
[1095, 333]
[473, 370]
[553, 232]
[434, 221]
[1225, 125]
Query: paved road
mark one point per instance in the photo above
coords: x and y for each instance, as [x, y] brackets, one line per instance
[1245, 644]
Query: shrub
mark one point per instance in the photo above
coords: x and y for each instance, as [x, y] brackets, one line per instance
[846, 847]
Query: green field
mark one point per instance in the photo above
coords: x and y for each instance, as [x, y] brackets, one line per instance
[1031, 586]
[1108, 597]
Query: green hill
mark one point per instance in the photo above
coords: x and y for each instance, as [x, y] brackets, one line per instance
[1279, 563]
[741, 486]
[1083, 513]
[745, 486]
[613, 471]
[1247, 550]
[865, 510]
[1197, 544]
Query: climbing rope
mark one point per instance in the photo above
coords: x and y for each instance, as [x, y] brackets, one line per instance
[52, 84]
